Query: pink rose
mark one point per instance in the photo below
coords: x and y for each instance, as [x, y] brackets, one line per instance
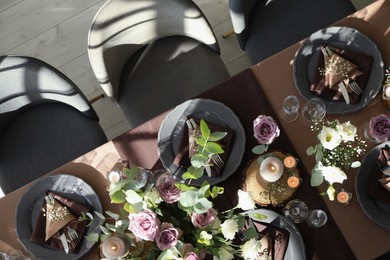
[167, 237]
[144, 225]
[165, 185]
[204, 219]
[265, 129]
[379, 127]
[190, 256]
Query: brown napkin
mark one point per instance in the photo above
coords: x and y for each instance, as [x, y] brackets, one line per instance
[379, 183]
[182, 157]
[325, 85]
[279, 236]
[75, 209]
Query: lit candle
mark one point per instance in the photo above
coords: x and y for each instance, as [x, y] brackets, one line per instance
[114, 247]
[387, 92]
[290, 162]
[271, 169]
[293, 182]
[344, 197]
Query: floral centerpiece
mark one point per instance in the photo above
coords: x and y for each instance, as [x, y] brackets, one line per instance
[338, 147]
[163, 219]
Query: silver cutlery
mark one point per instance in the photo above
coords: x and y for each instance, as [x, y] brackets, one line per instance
[216, 158]
[72, 234]
[64, 242]
[355, 87]
[384, 166]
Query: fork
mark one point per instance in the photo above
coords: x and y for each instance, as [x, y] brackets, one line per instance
[217, 160]
[72, 234]
[382, 163]
[355, 87]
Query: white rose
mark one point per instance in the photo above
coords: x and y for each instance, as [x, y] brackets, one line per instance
[225, 253]
[205, 236]
[229, 228]
[250, 249]
[332, 174]
[331, 191]
[348, 131]
[329, 137]
[245, 200]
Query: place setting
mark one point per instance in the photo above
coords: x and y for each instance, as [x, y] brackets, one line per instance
[48, 217]
[341, 66]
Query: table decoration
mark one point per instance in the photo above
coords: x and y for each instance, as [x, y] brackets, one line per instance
[294, 182]
[378, 128]
[172, 220]
[338, 147]
[344, 197]
[386, 89]
[290, 161]
[271, 169]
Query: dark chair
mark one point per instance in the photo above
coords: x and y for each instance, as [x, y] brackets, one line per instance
[265, 27]
[45, 121]
[150, 55]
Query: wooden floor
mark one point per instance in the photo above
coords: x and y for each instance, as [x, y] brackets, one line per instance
[56, 31]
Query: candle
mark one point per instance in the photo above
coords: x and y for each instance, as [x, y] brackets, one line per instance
[344, 197]
[290, 162]
[293, 182]
[271, 169]
[387, 92]
[114, 247]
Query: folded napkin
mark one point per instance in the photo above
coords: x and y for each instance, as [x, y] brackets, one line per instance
[46, 229]
[340, 65]
[185, 150]
[379, 183]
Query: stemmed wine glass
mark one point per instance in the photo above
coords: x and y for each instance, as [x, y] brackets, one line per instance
[297, 211]
[290, 109]
[313, 112]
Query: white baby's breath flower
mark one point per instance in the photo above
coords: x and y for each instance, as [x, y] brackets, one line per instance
[347, 131]
[329, 137]
[332, 174]
[245, 200]
[250, 250]
[229, 229]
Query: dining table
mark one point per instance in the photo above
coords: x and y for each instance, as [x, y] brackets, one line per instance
[259, 90]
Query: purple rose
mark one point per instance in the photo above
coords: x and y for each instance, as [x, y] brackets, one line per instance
[204, 219]
[165, 185]
[167, 237]
[190, 256]
[379, 127]
[265, 129]
[144, 225]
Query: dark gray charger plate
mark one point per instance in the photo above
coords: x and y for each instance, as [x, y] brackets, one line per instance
[345, 38]
[171, 129]
[377, 211]
[29, 207]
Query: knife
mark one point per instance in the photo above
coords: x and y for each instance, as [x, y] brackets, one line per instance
[64, 242]
[344, 91]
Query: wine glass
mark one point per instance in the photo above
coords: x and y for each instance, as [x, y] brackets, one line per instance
[296, 210]
[290, 109]
[316, 218]
[14, 254]
[313, 112]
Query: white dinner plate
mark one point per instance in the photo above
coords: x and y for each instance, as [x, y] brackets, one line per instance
[30, 204]
[296, 248]
[344, 38]
[171, 130]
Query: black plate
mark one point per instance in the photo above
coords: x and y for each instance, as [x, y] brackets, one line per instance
[30, 204]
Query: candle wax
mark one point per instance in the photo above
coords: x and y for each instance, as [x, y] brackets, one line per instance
[271, 169]
[293, 182]
[387, 92]
[113, 247]
[342, 197]
[289, 162]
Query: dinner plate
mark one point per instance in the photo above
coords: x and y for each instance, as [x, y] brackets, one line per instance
[29, 207]
[296, 247]
[377, 211]
[344, 38]
[171, 129]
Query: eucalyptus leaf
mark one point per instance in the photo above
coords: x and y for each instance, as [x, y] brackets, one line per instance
[187, 175]
[199, 160]
[99, 215]
[319, 155]
[103, 237]
[203, 190]
[105, 230]
[215, 191]
[188, 198]
[118, 197]
[216, 136]
[213, 148]
[310, 151]
[112, 215]
[202, 206]
[316, 178]
[131, 173]
[260, 149]
[93, 237]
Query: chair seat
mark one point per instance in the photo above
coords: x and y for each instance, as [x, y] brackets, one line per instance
[42, 139]
[167, 72]
[278, 24]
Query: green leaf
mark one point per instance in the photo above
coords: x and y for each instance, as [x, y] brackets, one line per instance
[310, 151]
[131, 173]
[215, 191]
[105, 230]
[316, 178]
[260, 149]
[100, 215]
[202, 206]
[93, 237]
[118, 197]
[133, 208]
[200, 141]
[250, 233]
[112, 215]
[198, 172]
[203, 190]
[188, 198]
[213, 148]
[216, 136]
[199, 160]
[187, 175]
[319, 155]
[258, 216]
[204, 129]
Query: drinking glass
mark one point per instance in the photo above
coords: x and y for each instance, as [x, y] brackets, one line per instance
[290, 109]
[313, 112]
[316, 218]
[296, 210]
[14, 254]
